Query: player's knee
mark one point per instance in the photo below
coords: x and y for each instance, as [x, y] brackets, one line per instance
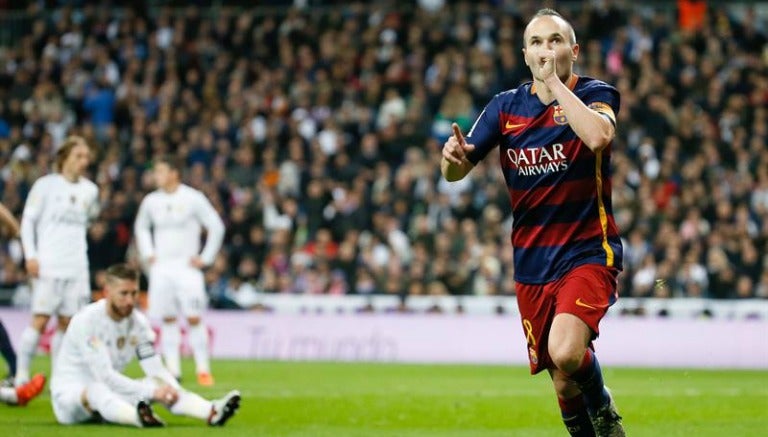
[39, 321]
[63, 323]
[169, 319]
[566, 357]
[193, 321]
[94, 396]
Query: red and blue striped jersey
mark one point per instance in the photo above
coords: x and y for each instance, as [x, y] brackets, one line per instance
[559, 188]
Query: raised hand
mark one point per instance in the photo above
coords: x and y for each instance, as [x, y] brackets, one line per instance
[547, 68]
[456, 148]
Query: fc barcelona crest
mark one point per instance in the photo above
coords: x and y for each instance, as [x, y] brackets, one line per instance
[532, 356]
[558, 115]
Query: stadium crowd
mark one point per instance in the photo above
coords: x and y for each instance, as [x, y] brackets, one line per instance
[316, 135]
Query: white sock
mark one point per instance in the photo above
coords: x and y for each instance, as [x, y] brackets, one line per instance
[58, 336]
[170, 337]
[29, 339]
[8, 395]
[111, 407]
[198, 341]
[192, 405]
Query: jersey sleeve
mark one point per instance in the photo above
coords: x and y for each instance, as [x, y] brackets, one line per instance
[95, 353]
[485, 133]
[33, 209]
[214, 227]
[141, 228]
[604, 99]
[93, 206]
[149, 360]
[144, 332]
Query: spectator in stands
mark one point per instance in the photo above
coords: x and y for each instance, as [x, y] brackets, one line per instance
[301, 123]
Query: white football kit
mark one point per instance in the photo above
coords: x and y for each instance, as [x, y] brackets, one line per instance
[87, 376]
[94, 352]
[168, 227]
[53, 231]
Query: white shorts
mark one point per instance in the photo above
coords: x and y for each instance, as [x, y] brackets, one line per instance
[67, 400]
[62, 296]
[174, 289]
[68, 406]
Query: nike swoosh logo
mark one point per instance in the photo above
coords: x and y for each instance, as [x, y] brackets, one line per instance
[509, 125]
[585, 305]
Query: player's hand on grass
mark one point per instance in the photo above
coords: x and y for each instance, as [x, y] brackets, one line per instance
[33, 268]
[165, 394]
[456, 148]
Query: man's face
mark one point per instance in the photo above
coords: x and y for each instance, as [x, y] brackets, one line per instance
[164, 175]
[549, 33]
[122, 295]
[78, 159]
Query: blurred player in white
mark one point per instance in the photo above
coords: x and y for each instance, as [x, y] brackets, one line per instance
[22, 394]
[87, 382]
[168, 229]
[9, 227]
[56, 215]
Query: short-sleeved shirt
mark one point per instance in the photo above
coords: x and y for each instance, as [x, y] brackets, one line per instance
[559, 188]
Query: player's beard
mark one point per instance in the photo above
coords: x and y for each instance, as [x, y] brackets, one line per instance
[122, 313]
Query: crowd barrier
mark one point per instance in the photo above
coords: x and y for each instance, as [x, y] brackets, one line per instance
[694, 334]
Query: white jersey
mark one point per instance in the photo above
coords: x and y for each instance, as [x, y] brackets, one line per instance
[175, 220]
[54, 224]
[96, 348]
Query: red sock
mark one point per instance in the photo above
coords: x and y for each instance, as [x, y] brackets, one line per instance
[576, 417]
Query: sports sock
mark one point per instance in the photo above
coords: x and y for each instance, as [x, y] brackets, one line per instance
[576, 417]
[192, 405]
[198, 341]
[6, 349]
[589, 378]
[110, 406]
[58, 336]
[29, 339]
[8, 395]
[170, 337]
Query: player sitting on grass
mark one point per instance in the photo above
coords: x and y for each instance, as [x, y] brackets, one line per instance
[22, 394]
[87, 382]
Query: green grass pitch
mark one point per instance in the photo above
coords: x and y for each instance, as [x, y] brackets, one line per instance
[355, 399]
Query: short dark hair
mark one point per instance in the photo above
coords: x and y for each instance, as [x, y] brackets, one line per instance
[174, 162]
[549, 12]
[123, 272]
[544, 12]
